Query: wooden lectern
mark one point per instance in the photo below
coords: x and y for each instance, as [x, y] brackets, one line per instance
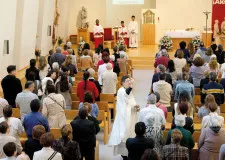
[148, 34]
[84, 33]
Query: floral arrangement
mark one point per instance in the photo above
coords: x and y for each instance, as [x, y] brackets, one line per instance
[197, 41]
[121, 42]
[167, 42]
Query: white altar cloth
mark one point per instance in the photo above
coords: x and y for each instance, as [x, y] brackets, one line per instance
[181, 33]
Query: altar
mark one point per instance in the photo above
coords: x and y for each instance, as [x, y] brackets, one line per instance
[181, 35]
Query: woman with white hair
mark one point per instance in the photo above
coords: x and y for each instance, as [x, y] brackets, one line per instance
[211, 139]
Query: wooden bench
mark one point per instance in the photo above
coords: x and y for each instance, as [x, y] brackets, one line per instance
[111, 101]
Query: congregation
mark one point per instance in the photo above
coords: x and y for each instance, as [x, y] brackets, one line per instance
[183, 112]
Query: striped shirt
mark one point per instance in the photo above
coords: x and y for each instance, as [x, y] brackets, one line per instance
[216, 90]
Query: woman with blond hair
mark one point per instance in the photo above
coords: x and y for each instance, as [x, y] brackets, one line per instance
[179, 61]
[204, 110]
[207, 55]
[213, 67]
[72, 68]
[43, 67]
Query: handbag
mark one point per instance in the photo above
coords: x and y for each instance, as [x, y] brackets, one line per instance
[56, 102]
[52, 156]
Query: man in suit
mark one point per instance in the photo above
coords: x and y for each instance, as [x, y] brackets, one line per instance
[84, 134]
[136, 146]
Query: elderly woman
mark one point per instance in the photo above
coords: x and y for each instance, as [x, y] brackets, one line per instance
[179, 61]
[183, 109]
[122, 63]
[178, 151]
[162, 59]
[207, 55]
[211, 139]
[33, 145]
[154, 119]
[187, 140]
[47, 140]
[197, 71]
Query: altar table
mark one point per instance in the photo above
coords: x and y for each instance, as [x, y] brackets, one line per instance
[181, 35]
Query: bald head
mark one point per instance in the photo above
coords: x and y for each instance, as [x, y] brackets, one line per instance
[109, 66]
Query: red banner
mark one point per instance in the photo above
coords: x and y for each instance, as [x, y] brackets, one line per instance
[218, 13]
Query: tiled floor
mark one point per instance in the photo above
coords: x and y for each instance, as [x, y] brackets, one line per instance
[141, 90]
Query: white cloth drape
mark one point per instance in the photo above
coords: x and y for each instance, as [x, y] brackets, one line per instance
[98, 29]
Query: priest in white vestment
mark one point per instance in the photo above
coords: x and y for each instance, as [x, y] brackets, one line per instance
[123, 33]
[133, 31]
[126, 118]
[98, 33]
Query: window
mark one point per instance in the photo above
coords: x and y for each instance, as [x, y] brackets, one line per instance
[128, 1]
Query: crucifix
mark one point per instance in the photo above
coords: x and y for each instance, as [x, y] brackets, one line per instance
[207, 16]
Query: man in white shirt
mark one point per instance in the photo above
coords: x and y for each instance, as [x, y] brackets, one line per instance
[98, 33]
[151, 108]
[123, 33]
[213, 112]
[109, 80]
[24, 98]
[133, 31]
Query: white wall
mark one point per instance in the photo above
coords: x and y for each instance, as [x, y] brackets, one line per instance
[117, 13]
[7, 32]
[64, 10]
[46, 15]
[96, 10]
[181, 14]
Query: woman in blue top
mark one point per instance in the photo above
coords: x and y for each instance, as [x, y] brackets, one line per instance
[88, 98]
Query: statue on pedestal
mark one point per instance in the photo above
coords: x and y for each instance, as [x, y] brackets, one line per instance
[82, 18]
[223, 27]
[216, 28]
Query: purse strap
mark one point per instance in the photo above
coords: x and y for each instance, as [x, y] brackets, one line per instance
[52, 156]
[56, 102]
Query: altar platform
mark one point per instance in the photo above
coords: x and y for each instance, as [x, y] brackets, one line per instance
[181, 35]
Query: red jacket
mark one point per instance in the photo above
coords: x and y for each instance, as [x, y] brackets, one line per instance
[162, 60]
[90, 86]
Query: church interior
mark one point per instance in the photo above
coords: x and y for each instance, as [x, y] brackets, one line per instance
[30, 28]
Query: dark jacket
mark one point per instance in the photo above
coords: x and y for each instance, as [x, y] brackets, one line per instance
[98, 87]
[203, 82]
[220, 56]
[216, 90]
[36, 72]
[11, 87]
[31, 146]
[137, 146]
[94, 120]
[84, 133]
